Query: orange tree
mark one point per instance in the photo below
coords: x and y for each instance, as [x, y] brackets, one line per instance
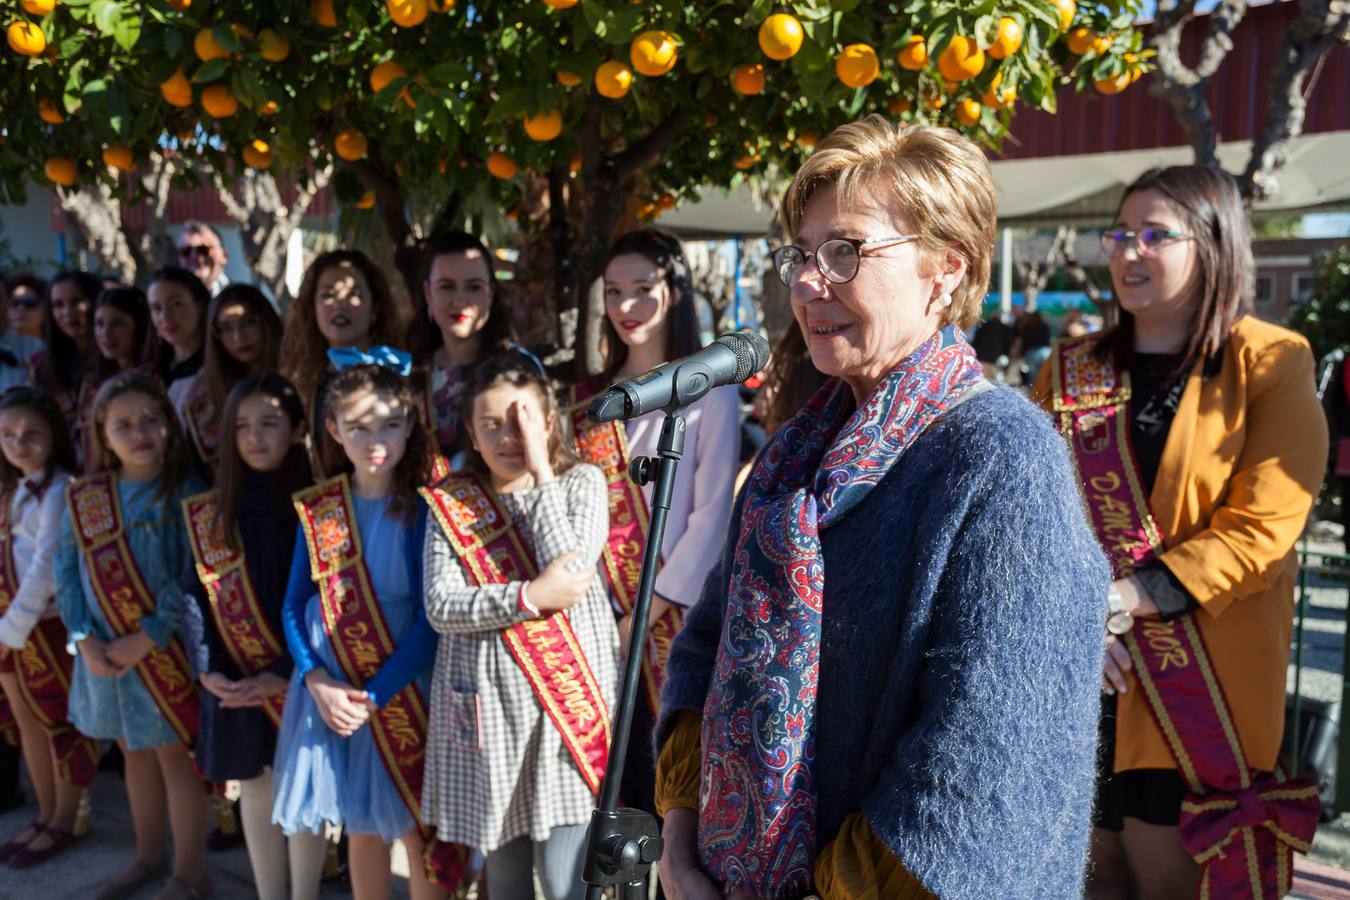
[584, 114]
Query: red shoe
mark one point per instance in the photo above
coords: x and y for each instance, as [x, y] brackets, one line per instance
[18, 842]
[57, 840]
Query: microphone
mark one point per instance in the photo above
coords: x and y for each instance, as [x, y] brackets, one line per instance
[730, 359]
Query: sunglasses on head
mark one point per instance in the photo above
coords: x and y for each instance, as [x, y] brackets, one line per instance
[188, 252]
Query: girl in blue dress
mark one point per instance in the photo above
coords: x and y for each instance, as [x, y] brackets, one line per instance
[329, 767]
[139, 453]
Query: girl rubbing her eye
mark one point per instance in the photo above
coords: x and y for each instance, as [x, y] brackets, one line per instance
[132, 681]
[237, 557]
[537, 582]
[38, 460]
[348, 705]
[344, 301]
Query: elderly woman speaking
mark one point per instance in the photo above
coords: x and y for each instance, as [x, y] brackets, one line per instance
[889, 685]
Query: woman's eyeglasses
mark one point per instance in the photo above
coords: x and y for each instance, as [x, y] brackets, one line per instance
[1146, 243]
[837, 259]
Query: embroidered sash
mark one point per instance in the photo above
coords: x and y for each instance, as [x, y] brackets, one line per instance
[362, 644]
[123, 597]
[426, 411]
[236, 611]
[9, 586]
[1240, 825]
[203, 425]
[606, 446]
[546, 648]
[44, 667]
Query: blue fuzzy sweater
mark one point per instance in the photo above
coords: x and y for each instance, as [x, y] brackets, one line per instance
[961, 659]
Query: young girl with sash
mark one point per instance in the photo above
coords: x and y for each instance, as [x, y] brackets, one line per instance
[462, 318]
[238, 579]
[119, 564]
[38, 457]
[525, 675]
[243, 338]
[121, 331]
[1200, 443]
[344, 302]
[650, 318]
[353, 733]
[178, 302]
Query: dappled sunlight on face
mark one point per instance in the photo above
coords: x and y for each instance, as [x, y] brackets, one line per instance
[373, 428]
[344, 306]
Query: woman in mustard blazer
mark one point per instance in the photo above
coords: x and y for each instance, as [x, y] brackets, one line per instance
[1201, 445]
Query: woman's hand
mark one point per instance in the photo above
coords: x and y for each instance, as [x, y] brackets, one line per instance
[533, 429]
[342, 707]
[1135, 598]
[223, 689]
[94, 652]
[254, 691]
[681, 875]
[558, 587]
[1117, 666]
[125, 652]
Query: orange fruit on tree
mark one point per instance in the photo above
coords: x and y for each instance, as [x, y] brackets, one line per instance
[323, 13]
[665, 202]
[1101, 44]
[385, 74]
[544, 126]
[748, 79]
[257, 154]
[567, 79]
[653, 53]
[441, 6]
[807, 138]
[367, 201]
[899, 105]
[780, 36]
[574, 164]
[38, 7]
[350, 145]
[997, 97]
[119, 157]
[499, 165]
[1080, 40]
[177, 90]
[1008, 40]
[25, 38]
[561, 4]
[968, 112]
[914, 55]
[268, 109]
[180, 5]
[613, 79]
[48, 112]
[61, 170]
[218, 102]
[746, 162]
[962, 59]
[274, 47]
[1067, 9]
[407, 13]
[1113, 85]
[207, 48]
[857, 65]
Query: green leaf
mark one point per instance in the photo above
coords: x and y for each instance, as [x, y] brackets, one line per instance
[106, 14]
[210, 70]
[509, 38]
[118, 109]
[173, 42]
[127, 32]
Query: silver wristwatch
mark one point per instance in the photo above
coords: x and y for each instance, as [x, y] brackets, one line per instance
[1118, 618]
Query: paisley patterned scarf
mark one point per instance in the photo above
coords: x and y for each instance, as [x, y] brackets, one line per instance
[757, 815]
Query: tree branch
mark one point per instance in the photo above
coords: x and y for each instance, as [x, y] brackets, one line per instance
[643, 153]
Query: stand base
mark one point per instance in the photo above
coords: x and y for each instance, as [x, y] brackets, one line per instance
[621, 847]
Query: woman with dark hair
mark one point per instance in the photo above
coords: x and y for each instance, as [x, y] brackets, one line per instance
[460, 320]
[1201, 445]
[27, 304]
[68, 332]
[344, 302]
[243, 338]
[121, 333]
[650, 318]
[178, 302]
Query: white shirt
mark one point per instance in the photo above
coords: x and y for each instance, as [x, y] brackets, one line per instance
[34, 525]
[700, 502]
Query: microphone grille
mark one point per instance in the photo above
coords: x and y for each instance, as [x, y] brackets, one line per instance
[752, 352]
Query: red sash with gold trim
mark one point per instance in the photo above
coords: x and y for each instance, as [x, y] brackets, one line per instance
[42, 671]
[606, 446]
[362, 644]
[236, 612]
[546, 648]
[1240, 825]
[203, 425]
[124, 598]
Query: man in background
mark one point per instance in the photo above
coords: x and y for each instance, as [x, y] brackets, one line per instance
[202, 253]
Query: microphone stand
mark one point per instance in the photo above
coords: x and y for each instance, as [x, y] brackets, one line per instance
[622, 844]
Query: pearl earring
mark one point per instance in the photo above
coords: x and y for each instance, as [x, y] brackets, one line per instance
[944, 300]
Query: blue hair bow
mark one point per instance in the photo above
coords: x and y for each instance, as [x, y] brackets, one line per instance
[379, 355]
